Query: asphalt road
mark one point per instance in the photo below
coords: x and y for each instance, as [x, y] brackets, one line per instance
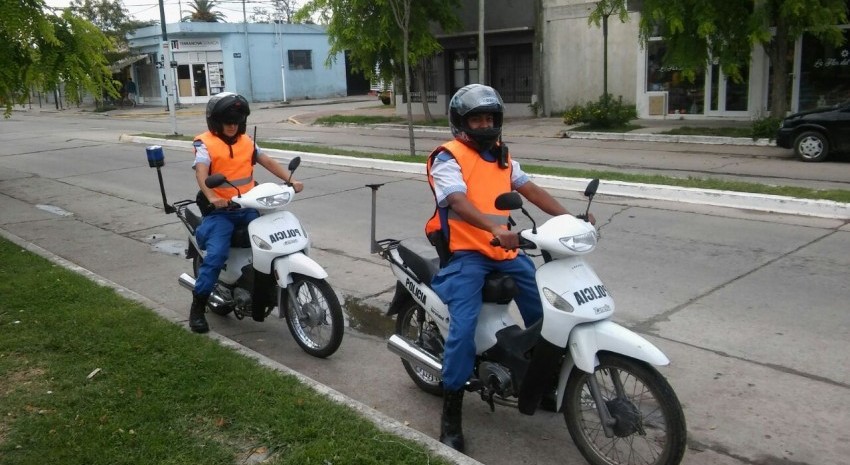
[750, 307]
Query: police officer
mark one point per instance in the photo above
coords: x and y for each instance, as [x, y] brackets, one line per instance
[225, 149]
[466, 175]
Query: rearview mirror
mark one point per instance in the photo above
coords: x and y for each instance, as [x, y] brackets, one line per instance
[508, 201]
[590, 190]
[294, 163]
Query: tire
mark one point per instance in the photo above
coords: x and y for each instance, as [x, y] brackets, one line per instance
[427, 338]
[313, 315]
[811, 146]
[223, 310]
[650, 426]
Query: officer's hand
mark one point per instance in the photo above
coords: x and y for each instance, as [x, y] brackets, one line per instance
[506, 239]
[589, 218]
[298, 186]
[219, 202]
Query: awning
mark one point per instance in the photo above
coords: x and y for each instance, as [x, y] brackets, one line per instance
[126, 61]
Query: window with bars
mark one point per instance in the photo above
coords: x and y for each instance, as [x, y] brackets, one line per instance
[300, 59]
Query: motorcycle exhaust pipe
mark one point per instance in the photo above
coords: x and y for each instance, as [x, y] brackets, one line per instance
[415, 355]
[189, 283]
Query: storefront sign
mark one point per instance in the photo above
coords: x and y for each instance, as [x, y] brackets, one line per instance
[830, 62]
[195, 45]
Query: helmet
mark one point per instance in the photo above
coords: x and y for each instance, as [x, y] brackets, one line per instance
[227, 107]
[475, 99]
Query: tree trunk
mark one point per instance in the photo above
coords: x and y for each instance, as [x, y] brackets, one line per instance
[777, 50]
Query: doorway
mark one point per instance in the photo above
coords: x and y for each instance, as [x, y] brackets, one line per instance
[192, 83]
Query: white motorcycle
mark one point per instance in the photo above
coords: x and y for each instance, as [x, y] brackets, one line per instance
[618, 408]
[268, 266]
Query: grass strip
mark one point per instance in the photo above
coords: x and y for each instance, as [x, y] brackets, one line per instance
[836, 195]
[90, 378]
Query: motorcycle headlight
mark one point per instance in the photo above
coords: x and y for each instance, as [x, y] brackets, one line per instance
[579, 243]
[259, 242]
[274, 200]
[557, 301]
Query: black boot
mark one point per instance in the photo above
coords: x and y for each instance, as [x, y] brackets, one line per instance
[451, 428]
[197, 321]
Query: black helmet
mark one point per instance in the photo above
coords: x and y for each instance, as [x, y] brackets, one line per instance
[227, 107]
[474, 99]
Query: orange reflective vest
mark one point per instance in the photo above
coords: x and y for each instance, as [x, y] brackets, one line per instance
[484, 180]
[235, 162]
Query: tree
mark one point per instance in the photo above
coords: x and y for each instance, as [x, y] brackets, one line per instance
[282, 11]
[112, 18]
[44, 50]
[370, 30]
[203, 12]
[604, 9]
[698, 32]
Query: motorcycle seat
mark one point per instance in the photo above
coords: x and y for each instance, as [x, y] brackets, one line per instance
[420, 257]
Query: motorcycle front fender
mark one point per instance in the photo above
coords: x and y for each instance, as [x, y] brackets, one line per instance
[586, 340]
[284, 267]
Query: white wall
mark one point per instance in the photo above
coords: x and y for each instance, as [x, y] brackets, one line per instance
[573, 56]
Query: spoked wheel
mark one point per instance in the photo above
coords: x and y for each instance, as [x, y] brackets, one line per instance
[196, 268]
[313, 315]
[649, 426]
[413, 324]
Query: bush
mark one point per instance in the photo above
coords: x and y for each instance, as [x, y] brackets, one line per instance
[765, 128]
[603, 113]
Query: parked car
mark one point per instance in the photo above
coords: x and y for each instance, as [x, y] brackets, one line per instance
[817, 133]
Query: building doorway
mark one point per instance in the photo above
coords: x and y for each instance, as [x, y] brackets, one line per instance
[192, 83]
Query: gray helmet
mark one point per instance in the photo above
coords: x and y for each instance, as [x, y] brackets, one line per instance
[475, 99]
[227, 107]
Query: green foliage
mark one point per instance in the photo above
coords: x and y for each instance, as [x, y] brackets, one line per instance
[603, 113]
[112, 18]
[368, 31]
[606, 8]
[698, 32]
[46, 50]
[202, 12]
[765, 128]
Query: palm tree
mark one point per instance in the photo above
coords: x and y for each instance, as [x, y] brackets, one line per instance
[203, 12]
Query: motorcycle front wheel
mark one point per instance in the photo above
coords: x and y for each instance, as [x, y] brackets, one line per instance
[649, 424]
[426, 336]
[313, 315]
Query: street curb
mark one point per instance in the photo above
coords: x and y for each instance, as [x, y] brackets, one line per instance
[380, 420]
[719, 198]
[686, 139]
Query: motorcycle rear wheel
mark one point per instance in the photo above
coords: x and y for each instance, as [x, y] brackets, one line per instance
[313, 315]
[222, 310]
[407, 326]
[650, 427]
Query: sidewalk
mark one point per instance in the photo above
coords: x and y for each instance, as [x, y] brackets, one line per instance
[363, 105]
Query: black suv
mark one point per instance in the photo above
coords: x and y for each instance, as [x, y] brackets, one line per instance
[815, 134]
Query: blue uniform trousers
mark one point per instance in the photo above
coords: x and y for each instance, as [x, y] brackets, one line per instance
[214, 236]
[459, 286]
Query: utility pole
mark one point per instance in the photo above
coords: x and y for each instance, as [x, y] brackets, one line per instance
[482, 74]
[248, 53]
[166, 68]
